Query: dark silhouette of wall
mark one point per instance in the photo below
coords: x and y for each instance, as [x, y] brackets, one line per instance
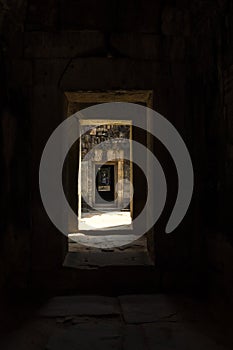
[183, 52]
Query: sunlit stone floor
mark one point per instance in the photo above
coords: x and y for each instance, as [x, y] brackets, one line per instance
[105, 220]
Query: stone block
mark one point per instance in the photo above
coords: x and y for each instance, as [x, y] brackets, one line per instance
[220, 258]
[48, 72]
[90, 15]
[62, 44]
[84, 260]
[90, 336]
[117, 15]
[107, 73]
[228, 100]
[177, 49]
[133, 338]
[175, 21]
[42, 15]
[147, 308]
[172, 48]
[139, 16]
[136, 45]
[179, 336]
[20, 73]
[80, 305]
[14, 44]
[230, 152]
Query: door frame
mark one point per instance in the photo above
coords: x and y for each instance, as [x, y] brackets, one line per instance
[77, 100]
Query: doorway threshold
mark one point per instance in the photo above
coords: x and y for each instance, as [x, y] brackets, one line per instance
[84, 257]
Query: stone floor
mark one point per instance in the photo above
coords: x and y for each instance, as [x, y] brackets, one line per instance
[104, 220]
[137, 322]
[83, 256]
[118, 239]
[105, 230]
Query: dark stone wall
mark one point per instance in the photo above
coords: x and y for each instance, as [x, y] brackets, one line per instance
[219, 237]
[183, 52]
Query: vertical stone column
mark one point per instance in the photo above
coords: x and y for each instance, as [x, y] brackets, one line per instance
[119, 180]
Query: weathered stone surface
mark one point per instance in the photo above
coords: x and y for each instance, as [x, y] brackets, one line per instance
[149, 46]
[220, 257]
[173, 48]
[137, 45]
[99, 334]
[106, 240]
[133, 338]
[87, 337]
[175, 21]
[62, 44]
[105, 15]
[33, 335]
[178, 336]
[147, 308]
[42, 15]
[82, 332]
[139, 16]
[21, 73]
[86, 15]
[80, 305]
[47, 114]
[100, 73]
[14, 44]
[107, 258]
[48, 72]
[228, 100]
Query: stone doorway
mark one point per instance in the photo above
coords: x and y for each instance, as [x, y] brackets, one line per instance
[105, 190]
[105, 161]
[93, 215]
[105, 176]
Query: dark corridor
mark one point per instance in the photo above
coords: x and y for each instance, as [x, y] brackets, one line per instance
[52, 52]
[105, 183]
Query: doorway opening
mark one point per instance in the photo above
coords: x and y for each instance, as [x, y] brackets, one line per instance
[105, 190]
[105, 183]
[109, 195]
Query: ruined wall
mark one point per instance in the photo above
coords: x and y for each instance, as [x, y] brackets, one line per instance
[110, 150]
